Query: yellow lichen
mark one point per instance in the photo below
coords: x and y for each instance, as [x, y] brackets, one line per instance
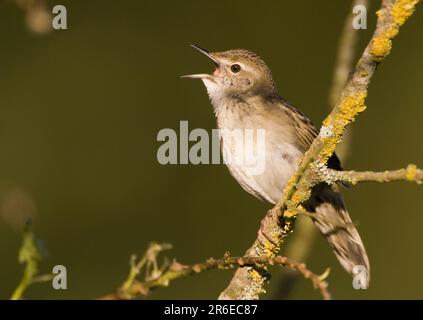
[381, 46]
[410, 172]
[328, 148]
[349, 107]
[275, 235]
[255, 275]
[328, 121]
[402, 9]
[363, 73]
[290, 213]
[291, 183]
[258, 280]
[392, 32]
[298, 197]
[269, 249]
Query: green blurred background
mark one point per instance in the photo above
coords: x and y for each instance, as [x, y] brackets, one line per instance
[80, 110]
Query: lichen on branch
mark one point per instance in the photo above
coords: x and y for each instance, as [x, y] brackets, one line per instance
[411, 173]
[247, 283]
[156, 275]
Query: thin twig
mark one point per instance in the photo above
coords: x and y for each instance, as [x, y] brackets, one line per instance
[410, 173]
[176, 270]
[29, 255]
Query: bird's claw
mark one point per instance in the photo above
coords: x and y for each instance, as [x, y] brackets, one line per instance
[264, 233]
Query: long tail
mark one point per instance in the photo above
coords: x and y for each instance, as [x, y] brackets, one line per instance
[335, 224]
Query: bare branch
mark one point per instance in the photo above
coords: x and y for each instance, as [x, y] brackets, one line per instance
[162, 276]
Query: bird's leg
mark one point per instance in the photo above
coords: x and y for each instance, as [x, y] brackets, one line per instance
[266, 231]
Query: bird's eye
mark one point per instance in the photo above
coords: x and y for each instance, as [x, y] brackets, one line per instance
[235, 68]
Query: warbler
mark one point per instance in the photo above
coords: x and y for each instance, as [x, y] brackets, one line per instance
[244, 96]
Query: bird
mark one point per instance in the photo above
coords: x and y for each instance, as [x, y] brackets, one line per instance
[244, 96]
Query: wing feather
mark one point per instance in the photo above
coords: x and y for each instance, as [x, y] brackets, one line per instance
[306, 131]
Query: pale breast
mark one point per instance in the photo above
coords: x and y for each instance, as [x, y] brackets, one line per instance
[276, 158]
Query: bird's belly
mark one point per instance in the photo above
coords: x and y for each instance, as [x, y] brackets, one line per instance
[280, 160]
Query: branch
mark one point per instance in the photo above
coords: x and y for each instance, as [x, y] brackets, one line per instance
[247, 283]
[161, 277]
[29, 254]
[411, 173]
[305, 232]
[345, 55]
[344, 64]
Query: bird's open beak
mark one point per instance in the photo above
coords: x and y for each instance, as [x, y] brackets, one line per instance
[210, 56]
[207, 53]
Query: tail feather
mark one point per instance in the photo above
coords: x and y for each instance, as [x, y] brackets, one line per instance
[334, 222]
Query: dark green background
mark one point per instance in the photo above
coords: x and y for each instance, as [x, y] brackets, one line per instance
[80, 110]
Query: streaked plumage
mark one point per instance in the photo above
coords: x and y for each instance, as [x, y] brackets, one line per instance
[248, 99]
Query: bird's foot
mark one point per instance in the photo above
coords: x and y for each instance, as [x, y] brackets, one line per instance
[265, 233]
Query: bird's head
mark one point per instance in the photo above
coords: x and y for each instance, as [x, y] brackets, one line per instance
[238, 73]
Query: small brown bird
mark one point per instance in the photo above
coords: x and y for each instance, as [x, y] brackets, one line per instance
[244, 96]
